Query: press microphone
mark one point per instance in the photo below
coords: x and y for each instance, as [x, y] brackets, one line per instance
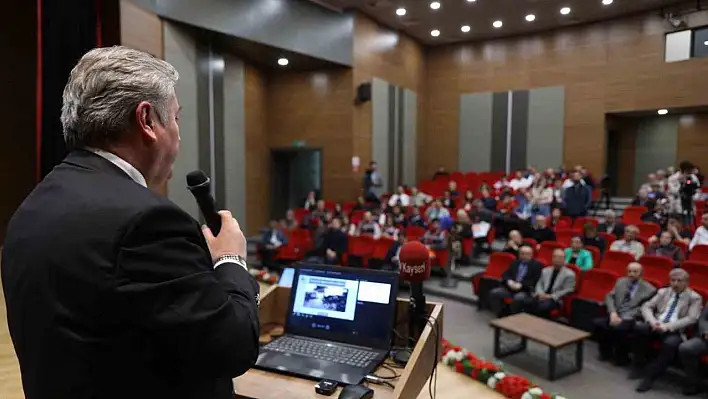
[414, 261]
[199, 184]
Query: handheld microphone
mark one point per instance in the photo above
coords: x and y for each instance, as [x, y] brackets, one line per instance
[199, 184]
[414, 260]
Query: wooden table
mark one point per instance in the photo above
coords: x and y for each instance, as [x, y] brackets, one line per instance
[554, 335]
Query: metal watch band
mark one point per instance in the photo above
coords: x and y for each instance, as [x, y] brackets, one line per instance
[239, 260]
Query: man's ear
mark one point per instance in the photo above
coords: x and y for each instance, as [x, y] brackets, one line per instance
[146, 119]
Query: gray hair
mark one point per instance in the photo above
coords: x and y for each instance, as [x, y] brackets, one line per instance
[609, 213]
[678, 273]
[104, 89]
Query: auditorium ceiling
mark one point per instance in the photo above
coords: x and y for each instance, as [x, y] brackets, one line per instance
[446, 21]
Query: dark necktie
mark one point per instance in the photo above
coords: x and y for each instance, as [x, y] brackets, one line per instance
[521, 273]
[630, 293]
[672, 308]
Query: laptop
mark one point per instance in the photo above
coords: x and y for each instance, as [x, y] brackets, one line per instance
[338, 326]
[286, 278]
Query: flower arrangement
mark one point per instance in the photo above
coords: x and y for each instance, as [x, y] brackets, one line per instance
[492, 374]
[264, 276]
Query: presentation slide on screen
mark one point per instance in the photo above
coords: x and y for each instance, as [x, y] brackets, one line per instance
[325, 296]
[374, 292]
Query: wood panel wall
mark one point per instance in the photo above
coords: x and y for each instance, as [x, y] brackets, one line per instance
[317, 108]
[141, 29]
[257, 152]
[389, 55]
[605, 67]
[693, 140]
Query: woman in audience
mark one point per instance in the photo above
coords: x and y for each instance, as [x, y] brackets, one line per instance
[346, 224]
[461, 230]
[310, 201]
[469, 199]
[665, 247]
[514, 242]
[452, 188]
[338, 211]
[399, 218]
[435, 237]
[541, 199]
[557, 221]
[448, 201]
[591, 238]
[557, 194]
[436, 211]
[289, 223]
[577, 255]
[389, 229]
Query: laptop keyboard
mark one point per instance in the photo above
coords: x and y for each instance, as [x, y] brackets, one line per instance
[322, 351]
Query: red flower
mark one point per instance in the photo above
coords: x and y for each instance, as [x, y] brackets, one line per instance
[545, 396]
[459, 367]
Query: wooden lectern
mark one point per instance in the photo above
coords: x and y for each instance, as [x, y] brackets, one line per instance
[259, 384]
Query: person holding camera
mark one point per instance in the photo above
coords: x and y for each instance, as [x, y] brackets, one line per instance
[682, 187]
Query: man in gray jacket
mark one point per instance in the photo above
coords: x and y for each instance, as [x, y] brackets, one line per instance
[555, 283]
[623, 307]
[666, 317]
[691, 352]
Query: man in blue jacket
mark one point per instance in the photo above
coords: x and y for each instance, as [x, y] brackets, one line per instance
[577, 198]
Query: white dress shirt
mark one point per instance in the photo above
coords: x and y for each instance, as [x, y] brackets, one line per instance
[403, 199]
[700, 237]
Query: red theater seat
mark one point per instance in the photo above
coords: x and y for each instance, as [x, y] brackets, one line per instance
[588, 302]
[482, 284]
[616, 262]
[545, 253]
[656, 267]
[633, 214]
[648, 230]
[699, 253]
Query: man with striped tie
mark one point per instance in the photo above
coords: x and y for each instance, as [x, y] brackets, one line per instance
[666, 317]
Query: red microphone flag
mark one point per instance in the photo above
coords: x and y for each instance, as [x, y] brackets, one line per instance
[415, 262]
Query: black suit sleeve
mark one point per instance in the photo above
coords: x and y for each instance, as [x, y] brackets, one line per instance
[205, 320]
[511, 271]
[532, 277]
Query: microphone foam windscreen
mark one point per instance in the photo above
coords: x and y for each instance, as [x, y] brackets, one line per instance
[415, 262]
[196, 178]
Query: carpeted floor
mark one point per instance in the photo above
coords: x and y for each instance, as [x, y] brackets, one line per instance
[470, 329]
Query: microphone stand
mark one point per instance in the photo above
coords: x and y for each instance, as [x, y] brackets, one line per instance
[449, 281]
[417, 319]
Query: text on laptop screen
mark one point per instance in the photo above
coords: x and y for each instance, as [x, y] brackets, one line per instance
[343, 303]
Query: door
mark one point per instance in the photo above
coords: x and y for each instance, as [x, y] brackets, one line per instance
[613, 164]
[296, 172]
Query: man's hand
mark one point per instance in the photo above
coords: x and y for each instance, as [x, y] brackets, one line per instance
[652, 239]
[615, 319]
[543, 296]
[229, 241]
[656, 326]
[331, 254]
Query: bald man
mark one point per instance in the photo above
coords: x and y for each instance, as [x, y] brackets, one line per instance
[623, 307]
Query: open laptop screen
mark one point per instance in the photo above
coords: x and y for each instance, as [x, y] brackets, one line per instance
[354, 306]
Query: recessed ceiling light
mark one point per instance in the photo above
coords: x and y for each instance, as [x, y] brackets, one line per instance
[283, 61]
[662, 111]
[607, 2]
[465, 28]
[471, 1]
[565, 10]
[705, 43]
[434, 33]
[530, 17]
[497, 24]
[435, 5]
[401, 12]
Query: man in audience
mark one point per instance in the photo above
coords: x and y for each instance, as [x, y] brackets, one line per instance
[541, 232]
[415, 219]
[368, 226]
[700, 237]
[611, 225]
[335, 243]
[666, 317]
[391, 261]
[629, 244]
[400, 198]
[623, 306]
[373, 183]
[691, 352]
[478, 216]
[518, 282]
[665, 247]
[419, 198]
[437, 211]
[674, 226]
[452, 188]
[435, 237]
[592, 239]
[513, 244]
[318, 215]
[489, 202]
[577, 198]
[272, 239]
[554, 284]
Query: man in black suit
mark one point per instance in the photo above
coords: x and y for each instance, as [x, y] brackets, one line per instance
[334, 243]
[518, 282]
[611, 225]
[112, 290]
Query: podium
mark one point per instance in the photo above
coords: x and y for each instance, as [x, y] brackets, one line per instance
[261, 384]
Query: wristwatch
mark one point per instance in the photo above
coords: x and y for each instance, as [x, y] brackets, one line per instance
[237, 259]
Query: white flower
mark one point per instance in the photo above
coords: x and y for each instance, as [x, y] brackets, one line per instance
[559, 397]
[535, 391]
[266, 277]
[492, 382]
[526, 396]
[499, 375]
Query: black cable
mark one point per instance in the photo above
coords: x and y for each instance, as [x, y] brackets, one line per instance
[433, 385]
[389, 368]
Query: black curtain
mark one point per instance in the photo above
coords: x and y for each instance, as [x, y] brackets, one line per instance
[69, 28]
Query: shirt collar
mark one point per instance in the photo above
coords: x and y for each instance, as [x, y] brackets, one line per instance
[122, 164]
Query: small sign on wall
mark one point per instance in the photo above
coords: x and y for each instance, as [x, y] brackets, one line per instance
[356, 162]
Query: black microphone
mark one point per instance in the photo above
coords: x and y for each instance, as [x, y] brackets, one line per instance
[199, 184]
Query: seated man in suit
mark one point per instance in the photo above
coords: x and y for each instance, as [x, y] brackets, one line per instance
[666, 317]
[611, 225]
[518, 282]
[690, 353]
[334, 243]
[391, 262]
[272, 239]
[555, 283]
[623, 306]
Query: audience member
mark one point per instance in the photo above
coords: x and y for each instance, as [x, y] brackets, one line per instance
[611, 225]
[674, 226]
[360, 204]
[400, 198]
[554, 284]
[514, 243]
[435, 237]
[489, 202]
[441, 172]
[590, 238]
[577, 255]
[368, 227]
[290, 222]
[389, 229]
[460, 231]
[436, 211]
[399, 218]
[318, 215]
[391, 260]
[416, 219]
[557, 194]
[452, 188]
[373, 183]
[700, 237]
[335, 243]
[623, 306]
[629, 243]
[448, 201]
[310, 201]
[271, 241]
[642, 199]
[468, 200]
[541, 198]
[691, 352]
[666, 317]
[518, 283]
[665, 247]
[541, 232]
[657, 213]
[577, 198]
[519, 181]
[557, 220]
[418, 198]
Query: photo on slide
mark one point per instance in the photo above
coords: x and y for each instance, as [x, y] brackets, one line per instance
[326, 297]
